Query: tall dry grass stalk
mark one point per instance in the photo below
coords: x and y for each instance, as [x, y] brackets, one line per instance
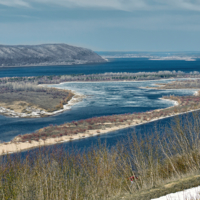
[101, 172]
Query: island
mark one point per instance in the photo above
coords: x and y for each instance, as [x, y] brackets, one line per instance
[29, 100]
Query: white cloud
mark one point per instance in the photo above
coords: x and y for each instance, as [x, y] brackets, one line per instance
[114, 4]
[14, 3]
[185, 4]
[110, 4]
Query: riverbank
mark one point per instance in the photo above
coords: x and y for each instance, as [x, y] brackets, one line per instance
[96, 127]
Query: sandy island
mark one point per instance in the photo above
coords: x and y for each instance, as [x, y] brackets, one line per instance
[37, 112]
[30, 99]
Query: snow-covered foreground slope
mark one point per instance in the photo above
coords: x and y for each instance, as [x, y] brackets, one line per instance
[189, 194]
[46, 54]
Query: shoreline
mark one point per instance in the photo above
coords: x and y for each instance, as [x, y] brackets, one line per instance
[16, 147]
[119, 81]
[82, 62]
[173, 101]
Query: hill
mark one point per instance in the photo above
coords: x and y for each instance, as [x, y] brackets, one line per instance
[45, 55]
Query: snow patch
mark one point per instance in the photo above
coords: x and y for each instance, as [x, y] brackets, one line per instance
[193, 193]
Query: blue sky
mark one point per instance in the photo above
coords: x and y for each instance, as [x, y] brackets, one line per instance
[103, 25]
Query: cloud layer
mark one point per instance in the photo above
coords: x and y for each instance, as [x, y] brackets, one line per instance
[14, 3]
[113, 4]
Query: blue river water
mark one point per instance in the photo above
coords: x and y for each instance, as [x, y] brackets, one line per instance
[114, 65]
[106, 98]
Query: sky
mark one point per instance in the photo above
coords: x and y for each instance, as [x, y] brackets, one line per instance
[103, 25]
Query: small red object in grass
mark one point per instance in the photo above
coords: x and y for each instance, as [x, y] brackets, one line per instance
[132, 178]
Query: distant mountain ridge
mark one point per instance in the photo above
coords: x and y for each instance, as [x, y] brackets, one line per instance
[46, 55]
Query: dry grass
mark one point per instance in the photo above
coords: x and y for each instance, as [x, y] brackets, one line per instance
[103, 173]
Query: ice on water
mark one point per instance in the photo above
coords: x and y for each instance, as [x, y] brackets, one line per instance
[123, 94]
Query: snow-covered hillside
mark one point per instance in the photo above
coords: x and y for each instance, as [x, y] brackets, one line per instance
[46, 54]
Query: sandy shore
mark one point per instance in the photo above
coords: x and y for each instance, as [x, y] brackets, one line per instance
[12, 147]
[174, 102]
